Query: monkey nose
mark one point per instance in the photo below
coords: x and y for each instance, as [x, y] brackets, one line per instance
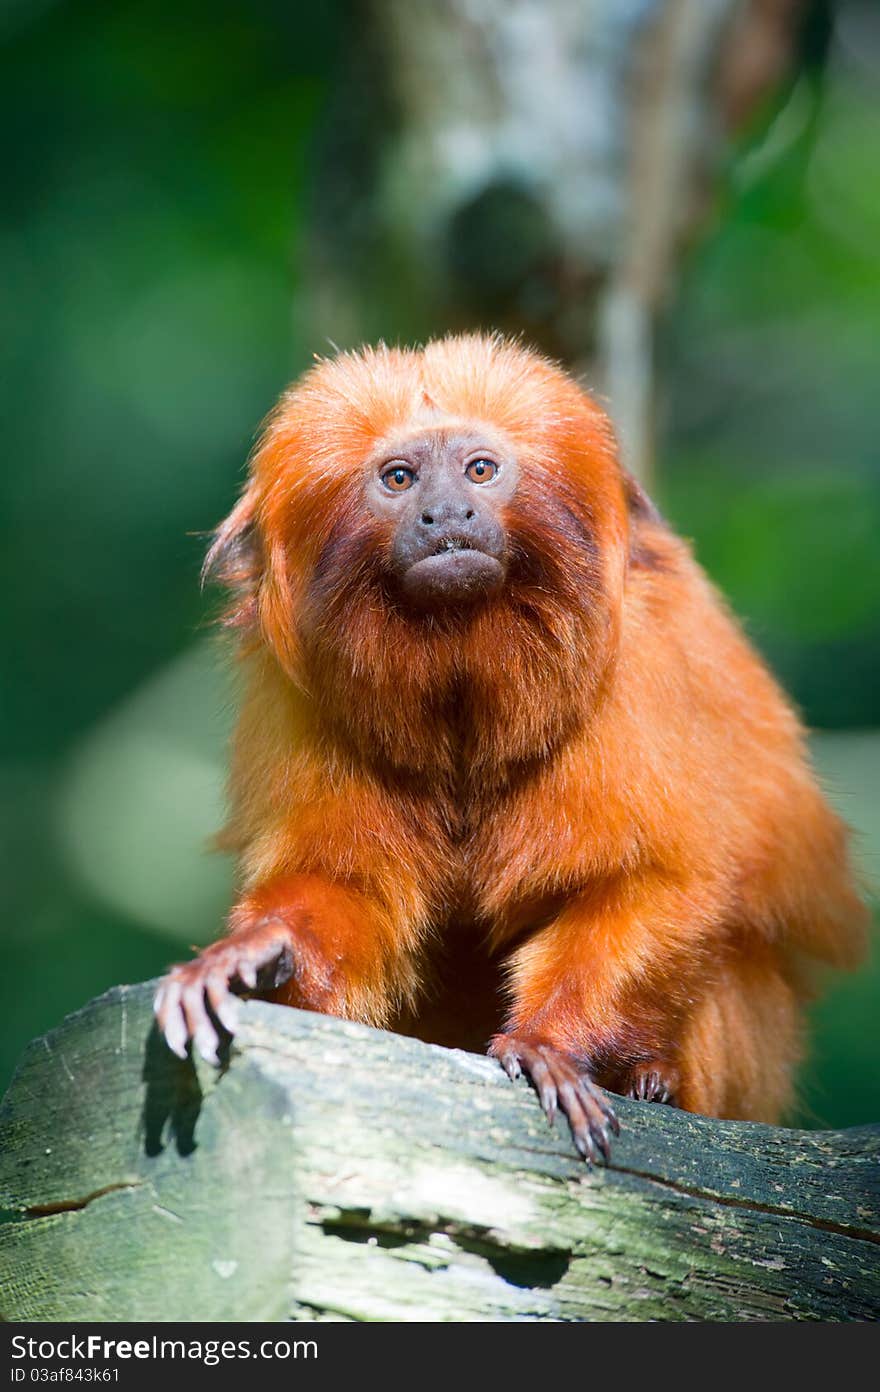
[444, 516]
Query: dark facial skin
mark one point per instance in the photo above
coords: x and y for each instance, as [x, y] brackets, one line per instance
[444, 491]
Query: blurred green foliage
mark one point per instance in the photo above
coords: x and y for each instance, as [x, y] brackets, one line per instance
[156, 196]
[771, 457]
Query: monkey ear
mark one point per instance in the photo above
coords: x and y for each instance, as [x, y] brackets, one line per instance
[644, 551]
[235, 560]
[637, 500]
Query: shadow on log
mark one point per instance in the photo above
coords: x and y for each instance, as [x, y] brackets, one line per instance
[331, 1171]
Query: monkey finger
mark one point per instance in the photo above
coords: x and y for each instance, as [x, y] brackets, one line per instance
[601, 1125]
[601, 1101]
[246, 972]
[510, 1063]
[207, 1042]
[584, 1146]
[283, 963]
[545, 1085]
[170, 1018]
[610, 1116]
[272, 961]
[222, 1002]
[201, 1030]
[601, 1140]
[578, 1121]
[158, 1000]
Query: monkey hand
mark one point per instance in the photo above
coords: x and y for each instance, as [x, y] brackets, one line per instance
[560, 1080]
[196, 995]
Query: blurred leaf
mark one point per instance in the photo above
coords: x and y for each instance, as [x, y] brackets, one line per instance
[143, 798]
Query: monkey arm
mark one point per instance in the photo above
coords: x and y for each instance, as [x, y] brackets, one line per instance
[337, 891]
[601, 993]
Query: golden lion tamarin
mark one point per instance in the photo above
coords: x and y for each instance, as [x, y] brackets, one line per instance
[506, 768]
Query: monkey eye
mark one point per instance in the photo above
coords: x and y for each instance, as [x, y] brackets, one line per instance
[481, 470]
[398, 478]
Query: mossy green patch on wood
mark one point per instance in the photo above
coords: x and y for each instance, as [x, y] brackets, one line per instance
[333, 1171]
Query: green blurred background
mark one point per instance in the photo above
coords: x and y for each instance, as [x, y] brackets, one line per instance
[157, 189]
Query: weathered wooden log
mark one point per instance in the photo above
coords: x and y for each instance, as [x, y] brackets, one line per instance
[330, 1171]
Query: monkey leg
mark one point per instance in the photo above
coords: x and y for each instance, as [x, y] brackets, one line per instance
[742, 1043]
[301, 941]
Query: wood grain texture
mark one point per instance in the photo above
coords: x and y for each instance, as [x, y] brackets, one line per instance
[330, 1171]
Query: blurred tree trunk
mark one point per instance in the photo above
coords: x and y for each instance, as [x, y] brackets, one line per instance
[536, 166]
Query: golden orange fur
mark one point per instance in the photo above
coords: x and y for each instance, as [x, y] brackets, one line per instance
[588, 787]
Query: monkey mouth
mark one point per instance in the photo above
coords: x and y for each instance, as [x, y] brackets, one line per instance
[455, 572]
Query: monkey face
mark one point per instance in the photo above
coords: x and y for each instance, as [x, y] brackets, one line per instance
[443, 492]
[403, 501]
